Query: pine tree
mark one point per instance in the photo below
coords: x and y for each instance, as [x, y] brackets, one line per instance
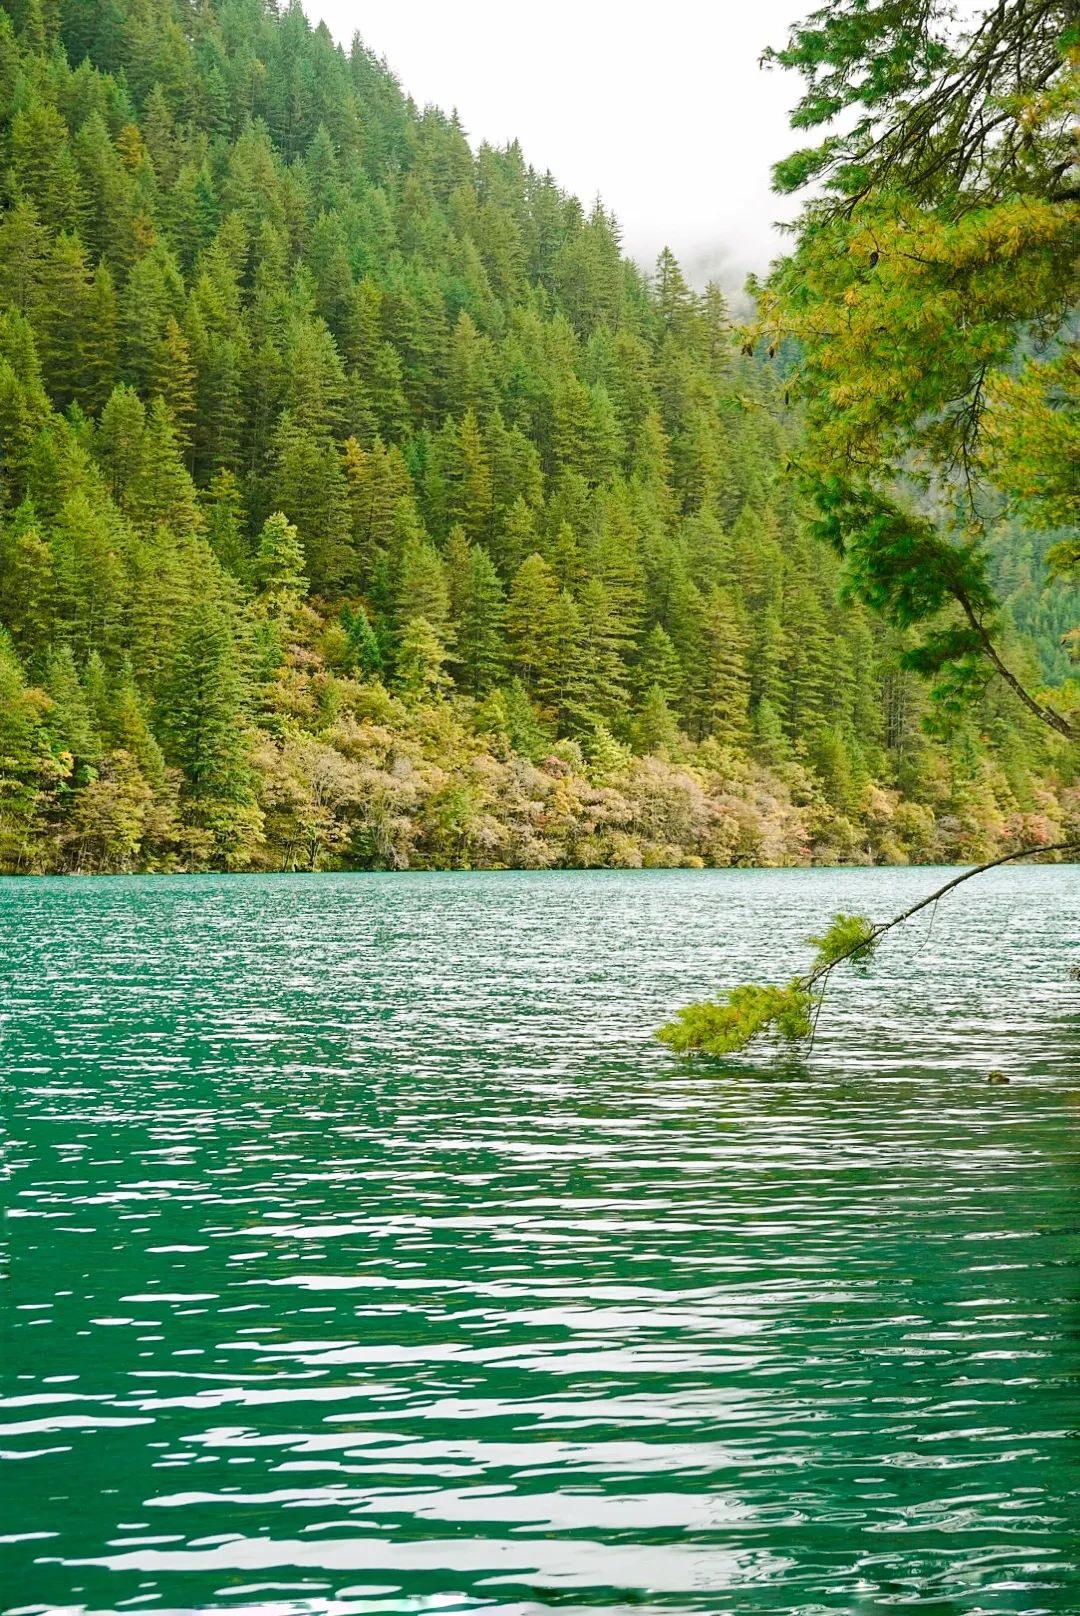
[422, 589]
[151, 291]
[525, 729]
[63, 322]
[770, 742]
[314, 379]
[24, 406]
[769, 659]
[675, 303]
[160, 491]
[218, 414]
[659, 666]
[308, 485]
[69, 722]
[378, 488]
[715, 331]
[99, 341]
[363, 654]
[478, 624]
[455, 558]
[515, 472]
[23, 769]
[618, 564]
[655, 728]
[718, 684]
[224, 523]
[127, 729]
[172, 376]
[421, 661]
[458, 487]
[86, 545]
[515, 537]
[120, 435]
[95, 684]
[603, 670]
[278, 567]
[565, 557]
[386, 391]
[531, 621]
[571, 420]
[328, 260]
[203, 711]
[810, 661]
[601, 452]
[108, 221]
[470, 385]
[27, 583]
[23, 259]
[831, 757]
[563, 683]
[42, 170]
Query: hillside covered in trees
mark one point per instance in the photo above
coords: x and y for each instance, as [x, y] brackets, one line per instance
[363, 506]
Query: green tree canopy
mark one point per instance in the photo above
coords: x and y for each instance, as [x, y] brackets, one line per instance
[928, 307]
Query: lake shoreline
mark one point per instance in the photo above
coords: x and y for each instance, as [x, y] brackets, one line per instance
[397, 802]
[8, 877]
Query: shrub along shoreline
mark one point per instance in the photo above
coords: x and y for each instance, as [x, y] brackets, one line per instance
[359, 778]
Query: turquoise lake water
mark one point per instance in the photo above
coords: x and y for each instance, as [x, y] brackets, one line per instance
[365, 1254]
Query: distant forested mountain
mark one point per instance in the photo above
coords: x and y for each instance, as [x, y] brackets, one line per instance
[363, 505]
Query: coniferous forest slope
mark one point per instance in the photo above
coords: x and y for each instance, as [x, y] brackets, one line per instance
[363, 506]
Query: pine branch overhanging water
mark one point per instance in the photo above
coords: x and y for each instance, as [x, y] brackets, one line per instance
[789, 1014]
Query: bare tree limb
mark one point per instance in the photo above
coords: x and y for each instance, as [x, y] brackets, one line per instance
[878, 931]
[1047, 715]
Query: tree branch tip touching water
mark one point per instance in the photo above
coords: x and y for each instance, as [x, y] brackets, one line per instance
[789, 1014]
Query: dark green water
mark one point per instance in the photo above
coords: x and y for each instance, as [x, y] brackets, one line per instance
[366, 1256]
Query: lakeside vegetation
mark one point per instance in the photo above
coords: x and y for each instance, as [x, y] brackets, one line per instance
[931, 301]
[362, 506]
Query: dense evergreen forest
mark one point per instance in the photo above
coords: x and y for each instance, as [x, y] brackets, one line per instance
[362, 505]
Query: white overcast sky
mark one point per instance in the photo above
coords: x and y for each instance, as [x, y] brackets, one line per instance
[660, 108]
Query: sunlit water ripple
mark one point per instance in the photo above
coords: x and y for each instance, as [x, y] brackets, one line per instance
[366, 1254]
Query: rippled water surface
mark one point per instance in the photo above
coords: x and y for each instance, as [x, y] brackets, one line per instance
[367, 1256]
